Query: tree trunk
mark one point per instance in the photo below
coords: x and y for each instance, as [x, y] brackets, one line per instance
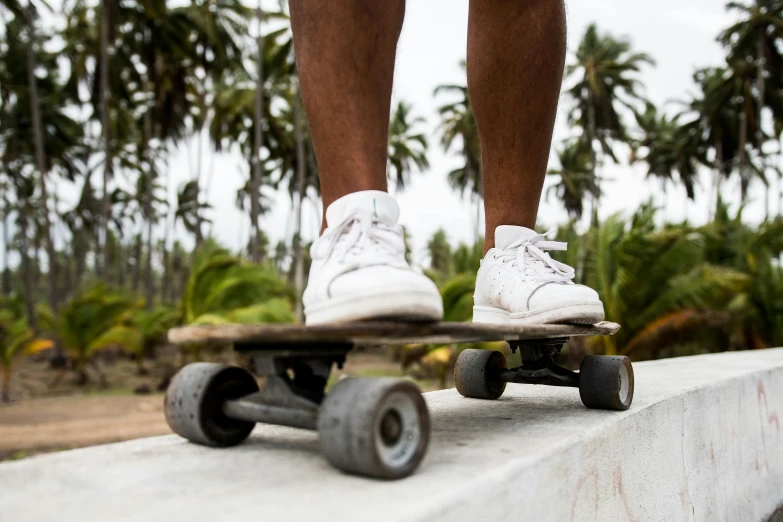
[166, 284]
[199, 237]
[149, 283]
[199, 234]
[6, 393]
[107, 159]
[256, 174]
[137, 253]
[80, 262]
[81, 372]
[66, 269]
[5, 271]
[27, 276]
[761, 67]
[122, 263]
[591, 135]
[300, 192]
[718, 174]
[148, 210]
[743, 157]
[40, 157]
[780, 195]
[165, 291]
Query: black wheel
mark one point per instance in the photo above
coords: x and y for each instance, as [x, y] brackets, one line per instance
[374, 427]
[606, 382]
[194, 402]
[475, 374]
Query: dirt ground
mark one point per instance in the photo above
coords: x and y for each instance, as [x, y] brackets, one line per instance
[55, 423]
[49, 412]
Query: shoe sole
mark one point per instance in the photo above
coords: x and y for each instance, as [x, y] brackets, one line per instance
[585, 312]
[398, 305]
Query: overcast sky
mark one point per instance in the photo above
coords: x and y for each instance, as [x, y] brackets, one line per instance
[679, 35]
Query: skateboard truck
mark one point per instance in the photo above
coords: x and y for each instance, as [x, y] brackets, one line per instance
[538, 367]
[295, 384]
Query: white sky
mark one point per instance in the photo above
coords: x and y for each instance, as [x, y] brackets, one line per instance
[679, 35]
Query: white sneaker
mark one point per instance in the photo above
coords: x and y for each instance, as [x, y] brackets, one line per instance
[359, 269]
[518, 283]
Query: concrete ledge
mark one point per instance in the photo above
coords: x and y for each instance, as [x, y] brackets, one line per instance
[702, 442]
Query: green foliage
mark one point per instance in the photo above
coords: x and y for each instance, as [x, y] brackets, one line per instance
[16, 340]
[577, 179]
[458, 126]
[440, 252]
[223, 288]
[407, 147]
[605, 77]
[93, 320]
[458, 298]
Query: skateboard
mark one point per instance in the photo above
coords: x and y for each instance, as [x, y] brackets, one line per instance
[377, 427]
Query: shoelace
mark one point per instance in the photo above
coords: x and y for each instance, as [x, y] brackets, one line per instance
[530, 259]
[360, 232]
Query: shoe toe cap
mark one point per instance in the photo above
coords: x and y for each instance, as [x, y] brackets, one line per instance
[554, 293]
[380, 279]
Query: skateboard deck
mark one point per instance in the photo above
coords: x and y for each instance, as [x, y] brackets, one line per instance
[380, 332]
[377, 427]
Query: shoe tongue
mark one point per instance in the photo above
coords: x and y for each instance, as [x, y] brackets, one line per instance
[507, 234]
[381, 205]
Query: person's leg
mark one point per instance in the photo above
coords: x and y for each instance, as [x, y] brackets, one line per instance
[516, 54]
[345, 53]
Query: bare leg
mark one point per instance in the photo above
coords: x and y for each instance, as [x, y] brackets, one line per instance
[516, 53]
[345, 52]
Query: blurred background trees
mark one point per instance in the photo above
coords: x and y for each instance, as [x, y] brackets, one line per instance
[101, 94]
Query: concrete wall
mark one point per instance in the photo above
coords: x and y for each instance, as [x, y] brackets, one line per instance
[702, 442]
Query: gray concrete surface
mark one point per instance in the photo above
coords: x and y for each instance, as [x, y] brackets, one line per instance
[702, 441]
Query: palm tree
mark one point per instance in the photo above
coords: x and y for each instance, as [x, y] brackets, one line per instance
[407, 146]
[33, 115]
[20, 153]
[723, 117]
[5, 271]
[225, 289]
[40, 152]
[440, 254]
[288, 152]
[93, 320]
[458, 297]
[256, 173]
[577, 180]
[217, 29]
[668, 149]
[604, 75]
[753, 251]
[659, 284]
[458, 125]
[301, 167]
[190, 210]
[149, 207]
[106, 32]
[16, 340]
[467, 258]
[755, 38]
[147, 329]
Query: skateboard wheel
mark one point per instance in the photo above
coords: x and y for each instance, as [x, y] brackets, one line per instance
[194, 403]
[606, 382]
[374, 427]
[474, 374]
